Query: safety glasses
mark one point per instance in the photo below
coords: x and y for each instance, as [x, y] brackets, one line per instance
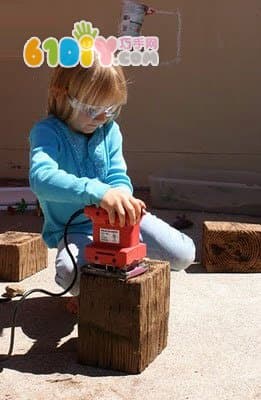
[94, 111]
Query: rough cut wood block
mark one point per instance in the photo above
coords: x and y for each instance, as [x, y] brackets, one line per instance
[22, 254]
[231, 247]
[124, 325]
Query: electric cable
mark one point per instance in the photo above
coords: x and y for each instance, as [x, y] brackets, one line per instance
[26, 294]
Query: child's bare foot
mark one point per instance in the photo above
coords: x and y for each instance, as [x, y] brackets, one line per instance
[72, 305]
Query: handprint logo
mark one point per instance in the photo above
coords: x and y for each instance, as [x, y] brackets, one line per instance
[85, 34]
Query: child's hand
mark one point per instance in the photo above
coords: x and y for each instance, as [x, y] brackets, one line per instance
[116, 201]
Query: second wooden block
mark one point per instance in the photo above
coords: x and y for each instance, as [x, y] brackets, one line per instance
[231, 247]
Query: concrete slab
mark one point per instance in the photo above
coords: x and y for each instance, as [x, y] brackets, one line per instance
[213, 352]
[227, 191]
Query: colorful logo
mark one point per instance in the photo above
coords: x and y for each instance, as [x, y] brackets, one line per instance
[70, 51]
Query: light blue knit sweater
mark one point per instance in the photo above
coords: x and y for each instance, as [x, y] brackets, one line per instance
[68, 171]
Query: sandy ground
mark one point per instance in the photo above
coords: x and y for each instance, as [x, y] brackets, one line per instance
[214, 345]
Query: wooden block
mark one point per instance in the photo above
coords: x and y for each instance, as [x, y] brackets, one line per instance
[231, 247]
[124, 325]
[22, 254]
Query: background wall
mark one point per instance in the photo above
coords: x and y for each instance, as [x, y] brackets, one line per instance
[201, 113]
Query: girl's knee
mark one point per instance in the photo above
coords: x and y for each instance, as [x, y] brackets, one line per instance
[65, 272]
[64, 279]
[183, 258]
[65, 268]
[165, 242]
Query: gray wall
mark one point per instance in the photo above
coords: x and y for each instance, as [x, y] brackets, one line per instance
[201, 113]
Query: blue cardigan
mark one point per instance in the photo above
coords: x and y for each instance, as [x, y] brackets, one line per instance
[68, 171]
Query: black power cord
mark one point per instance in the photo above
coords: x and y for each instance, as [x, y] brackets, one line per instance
[26, 294]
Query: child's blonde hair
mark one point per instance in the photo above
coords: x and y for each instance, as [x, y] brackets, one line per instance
[96, 85]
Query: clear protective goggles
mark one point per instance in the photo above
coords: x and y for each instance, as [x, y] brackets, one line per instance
[94, 111]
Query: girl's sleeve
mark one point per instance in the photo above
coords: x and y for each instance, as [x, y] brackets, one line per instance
[117, 174]
[49, 182]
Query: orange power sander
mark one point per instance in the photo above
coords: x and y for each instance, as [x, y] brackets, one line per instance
[115, 251]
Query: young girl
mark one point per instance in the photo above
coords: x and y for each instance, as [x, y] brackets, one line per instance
[76, 160]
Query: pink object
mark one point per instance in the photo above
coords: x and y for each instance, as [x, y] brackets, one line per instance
[106, 48]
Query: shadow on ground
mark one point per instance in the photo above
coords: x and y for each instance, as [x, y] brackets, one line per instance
[45, 321]
[196, 268]
[26, 222]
